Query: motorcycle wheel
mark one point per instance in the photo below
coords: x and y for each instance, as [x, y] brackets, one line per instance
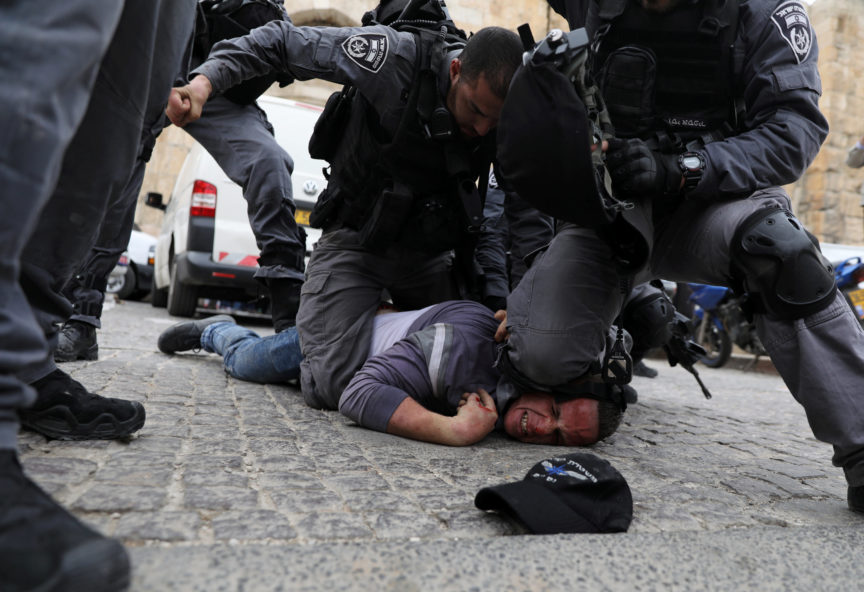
[717, 344]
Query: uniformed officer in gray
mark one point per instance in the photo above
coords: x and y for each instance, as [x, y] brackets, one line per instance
[399, 208]
[732, 115]
[240, 138]
[76, 79]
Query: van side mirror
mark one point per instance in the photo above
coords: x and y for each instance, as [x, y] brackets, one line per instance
[154, 200]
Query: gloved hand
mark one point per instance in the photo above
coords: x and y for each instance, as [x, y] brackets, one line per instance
[638, 171]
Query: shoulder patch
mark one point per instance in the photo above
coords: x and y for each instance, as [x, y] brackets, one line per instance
[794, 26]
[367, 50]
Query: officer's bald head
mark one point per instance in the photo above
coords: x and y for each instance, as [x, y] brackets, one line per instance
[494, 53]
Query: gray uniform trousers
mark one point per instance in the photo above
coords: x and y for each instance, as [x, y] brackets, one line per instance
[133, 81]
[820, 357]
[86, 290]
[43, 96]
[241, 141]
[344, 285]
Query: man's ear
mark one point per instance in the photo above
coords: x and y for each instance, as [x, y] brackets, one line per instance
[455, 70]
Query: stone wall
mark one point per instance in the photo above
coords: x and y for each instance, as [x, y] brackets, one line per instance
[826, 198]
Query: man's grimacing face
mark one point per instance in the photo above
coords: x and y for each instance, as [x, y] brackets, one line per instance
[537, 418]
[473, 105]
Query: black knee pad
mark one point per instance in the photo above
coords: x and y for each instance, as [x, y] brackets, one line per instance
[647, 320]
[774, 257]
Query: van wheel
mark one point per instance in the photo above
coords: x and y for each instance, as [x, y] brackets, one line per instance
[182, 299]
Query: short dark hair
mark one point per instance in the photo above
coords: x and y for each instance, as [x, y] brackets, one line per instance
[609, 416]
[495, 53]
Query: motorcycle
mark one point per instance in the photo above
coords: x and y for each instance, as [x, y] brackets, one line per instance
[719, 323]
[849, 273]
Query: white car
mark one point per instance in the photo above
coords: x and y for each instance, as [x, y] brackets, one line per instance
[132, 277]
[206, 248]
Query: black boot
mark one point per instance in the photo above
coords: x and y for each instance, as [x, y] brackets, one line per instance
[187, 335]
[855, 498]
[640, 369]
[65, 410]
[44, 547]
[284, 302]
[76, 341]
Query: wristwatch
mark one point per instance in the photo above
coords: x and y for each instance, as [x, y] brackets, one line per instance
[692, 165]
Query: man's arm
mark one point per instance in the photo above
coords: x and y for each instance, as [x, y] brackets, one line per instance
[781, 91]
[473, 421]
[383, 396]
[377, 60]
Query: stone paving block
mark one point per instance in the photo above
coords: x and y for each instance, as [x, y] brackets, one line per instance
[355, 481]
[254, 525]
[306, 502]
[193, 478]
[444, 500]
[106, 497]
[220, 498]
[372, 501]
[285, 480]
[333, 527]
[168, 526]
[402, 525]
[475, 523]
[59, 469]
[144, 476]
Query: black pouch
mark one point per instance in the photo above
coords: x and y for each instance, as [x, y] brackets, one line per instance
[629, 75]
[331, 124]
[386, 221]
[325, 208]
[544, 147]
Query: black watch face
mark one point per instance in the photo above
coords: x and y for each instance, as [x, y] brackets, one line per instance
[691, 162]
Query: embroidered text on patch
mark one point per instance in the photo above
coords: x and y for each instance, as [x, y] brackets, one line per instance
[794, 26]
[367, 50]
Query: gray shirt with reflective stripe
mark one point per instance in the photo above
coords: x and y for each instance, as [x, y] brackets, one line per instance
[449, 350]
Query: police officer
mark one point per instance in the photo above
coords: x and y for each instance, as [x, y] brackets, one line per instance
[237, 133]
[714, 106]
[55, 54]
[402, 191]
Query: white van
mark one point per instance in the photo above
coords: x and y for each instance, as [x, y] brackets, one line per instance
[206, 248]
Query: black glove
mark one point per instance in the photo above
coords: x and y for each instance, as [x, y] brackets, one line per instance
[638, 171]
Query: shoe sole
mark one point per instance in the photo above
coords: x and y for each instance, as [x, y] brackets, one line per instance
[59, 423]
[91, 354]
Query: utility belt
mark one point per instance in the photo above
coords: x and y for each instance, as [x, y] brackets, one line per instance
[427, 223]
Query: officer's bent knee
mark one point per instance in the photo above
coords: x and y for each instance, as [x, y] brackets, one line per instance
[776, 259]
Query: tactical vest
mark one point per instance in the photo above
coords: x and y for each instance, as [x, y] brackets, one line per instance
[416, 188]
[217, 20]
[672, 72]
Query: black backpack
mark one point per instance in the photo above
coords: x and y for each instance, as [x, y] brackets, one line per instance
[217, 20]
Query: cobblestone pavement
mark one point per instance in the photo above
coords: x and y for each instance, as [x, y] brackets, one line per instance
[239, 486]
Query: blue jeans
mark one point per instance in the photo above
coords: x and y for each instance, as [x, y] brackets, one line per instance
[248, 356]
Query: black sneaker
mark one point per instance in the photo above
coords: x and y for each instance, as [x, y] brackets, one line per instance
[855, 498]
[640, 369]
[44, 547]
[76, 341]
[187, 335]
[65, 410]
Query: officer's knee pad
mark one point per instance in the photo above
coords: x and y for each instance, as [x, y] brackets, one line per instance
[776, 259]
[647, 320]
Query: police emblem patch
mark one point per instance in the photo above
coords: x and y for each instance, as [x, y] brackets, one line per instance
[367, 50]
[794, 26]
